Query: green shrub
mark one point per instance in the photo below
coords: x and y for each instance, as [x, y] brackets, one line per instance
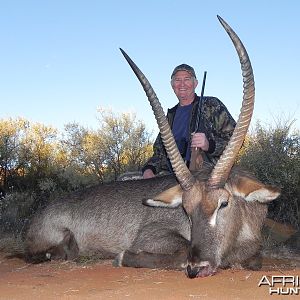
[273, 155]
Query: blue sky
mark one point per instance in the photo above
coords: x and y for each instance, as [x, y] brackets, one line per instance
[60, 60]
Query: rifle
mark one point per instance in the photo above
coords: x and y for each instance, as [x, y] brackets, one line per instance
[197, 153]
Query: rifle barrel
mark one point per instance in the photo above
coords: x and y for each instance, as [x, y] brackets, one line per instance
[198, 116]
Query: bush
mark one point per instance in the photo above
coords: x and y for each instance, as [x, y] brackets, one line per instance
[273, 155]
[15, 210]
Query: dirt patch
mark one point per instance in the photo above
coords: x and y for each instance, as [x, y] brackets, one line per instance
[99, 280]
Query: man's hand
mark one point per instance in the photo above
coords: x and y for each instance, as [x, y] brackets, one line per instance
[200, 141]
[148, 174]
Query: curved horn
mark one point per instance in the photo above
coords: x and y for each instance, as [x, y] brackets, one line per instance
[222, 169]
[182, 173]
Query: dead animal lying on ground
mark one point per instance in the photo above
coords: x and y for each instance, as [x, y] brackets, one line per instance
[218, 224]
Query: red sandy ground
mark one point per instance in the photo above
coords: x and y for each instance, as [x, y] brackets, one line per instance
[99, 280]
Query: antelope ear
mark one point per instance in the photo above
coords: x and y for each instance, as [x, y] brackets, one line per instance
[251, 189]
[171, 198]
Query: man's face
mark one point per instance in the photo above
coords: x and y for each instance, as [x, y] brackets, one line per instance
[184, 85]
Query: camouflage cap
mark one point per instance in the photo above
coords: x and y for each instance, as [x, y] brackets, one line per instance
[184, 67]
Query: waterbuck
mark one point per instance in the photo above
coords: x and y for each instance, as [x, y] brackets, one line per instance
[213, 218]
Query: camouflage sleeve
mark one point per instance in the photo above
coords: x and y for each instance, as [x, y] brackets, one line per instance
[221, 126]
[158, 161]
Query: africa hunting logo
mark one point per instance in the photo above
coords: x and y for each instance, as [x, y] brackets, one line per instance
[281, 284]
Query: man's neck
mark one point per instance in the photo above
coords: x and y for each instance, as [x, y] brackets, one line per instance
[188, 101]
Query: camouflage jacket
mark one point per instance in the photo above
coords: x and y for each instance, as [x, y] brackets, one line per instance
[218, 126]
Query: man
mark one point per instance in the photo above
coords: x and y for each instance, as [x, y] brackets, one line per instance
[217, 124]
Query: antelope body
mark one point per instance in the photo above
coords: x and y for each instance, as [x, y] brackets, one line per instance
[105, 220]
[200, 221]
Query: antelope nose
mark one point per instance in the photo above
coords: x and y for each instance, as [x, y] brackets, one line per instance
[191, 272]
[202, 269]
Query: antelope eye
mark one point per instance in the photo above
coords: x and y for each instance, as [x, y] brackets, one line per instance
[224, 204]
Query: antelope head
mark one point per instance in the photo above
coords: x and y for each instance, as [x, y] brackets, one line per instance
[222, 205]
